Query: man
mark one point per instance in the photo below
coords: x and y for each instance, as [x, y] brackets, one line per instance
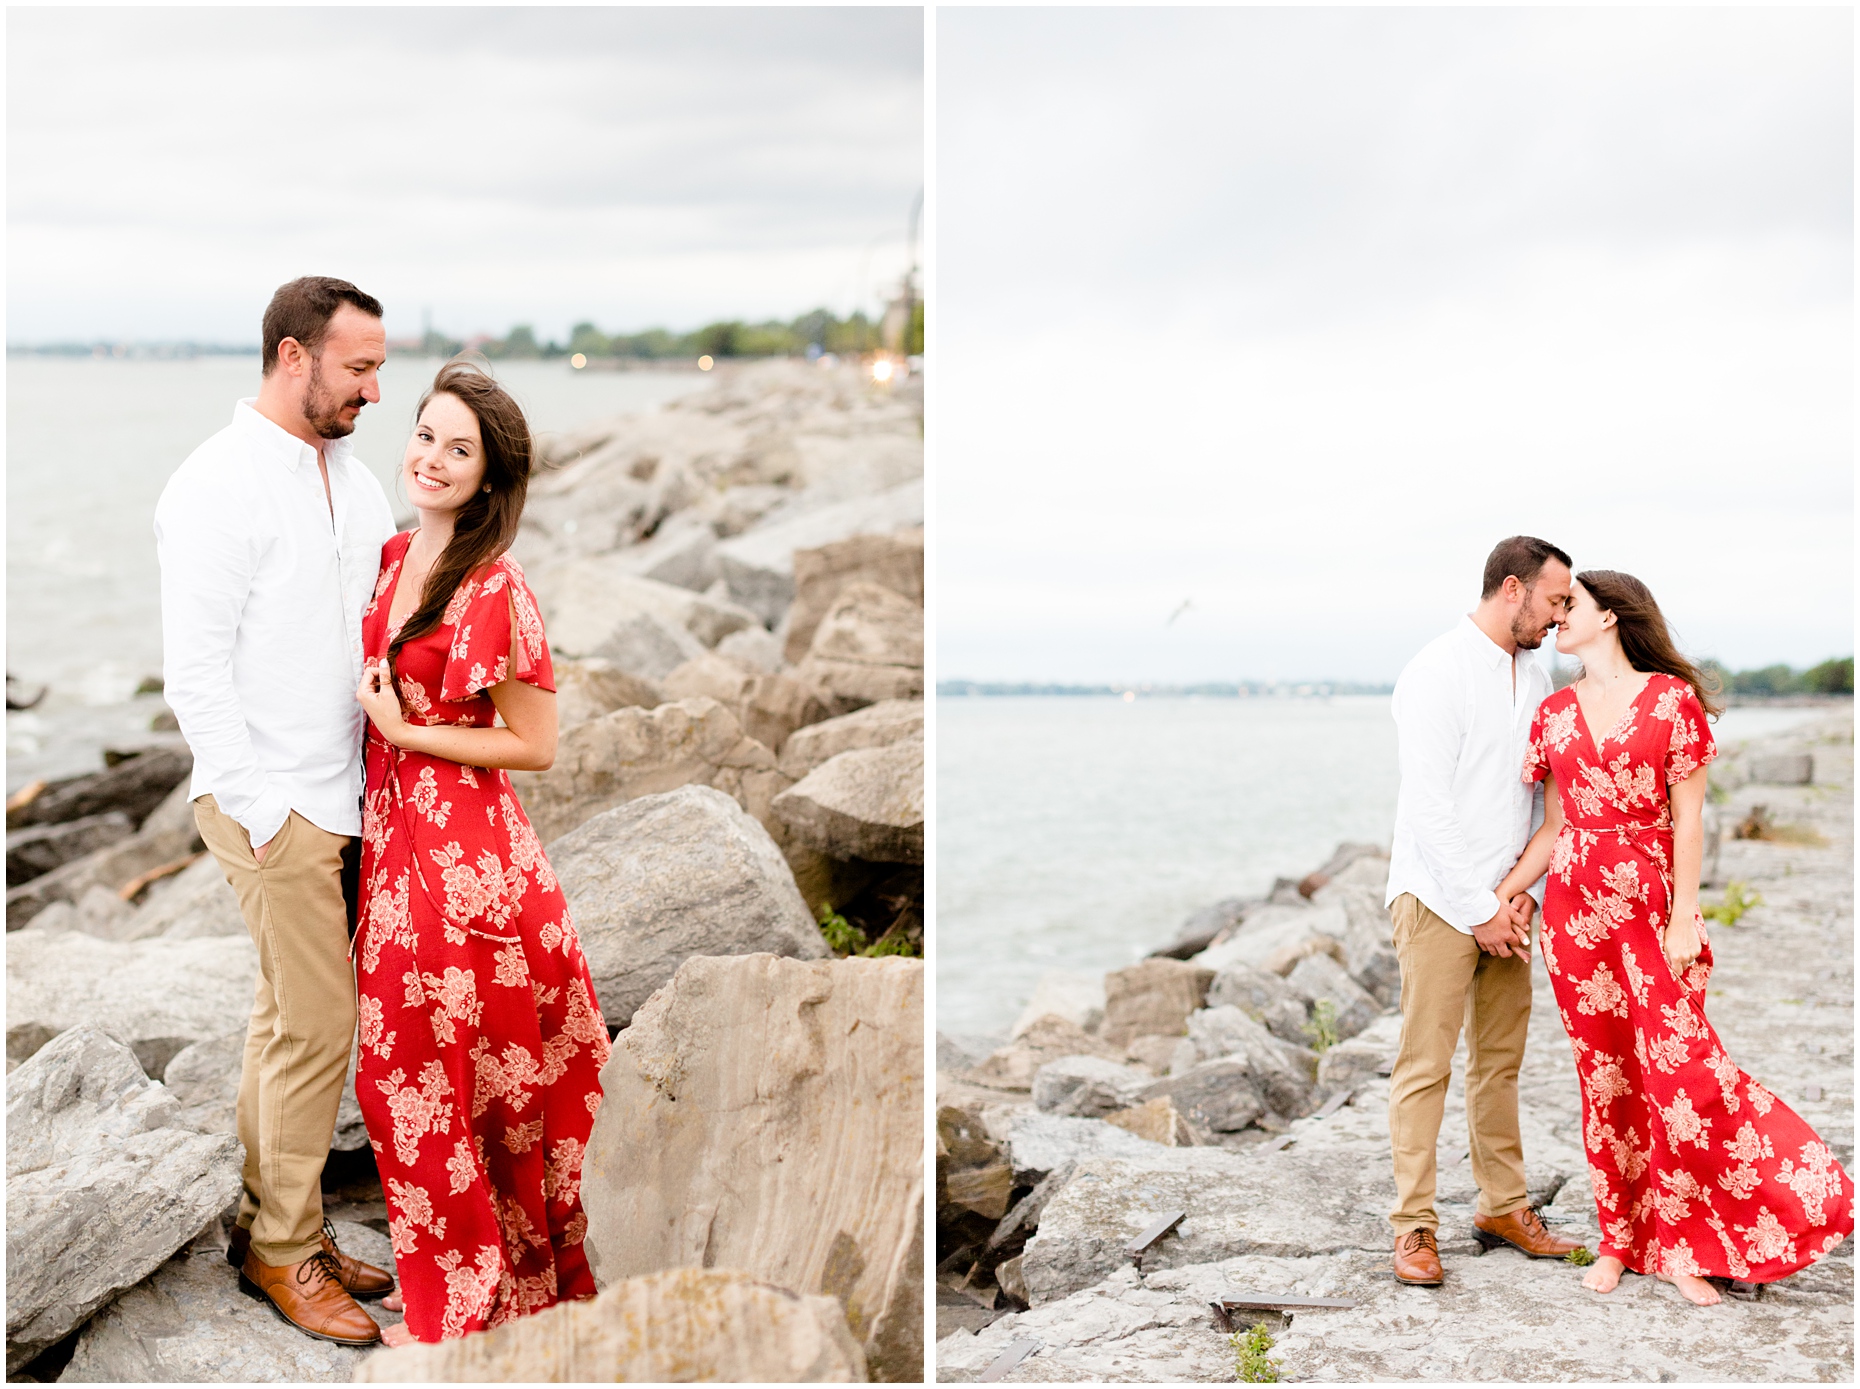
[270, 536]
[1463, 710]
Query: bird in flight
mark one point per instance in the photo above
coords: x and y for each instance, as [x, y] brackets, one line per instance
[1186, 604]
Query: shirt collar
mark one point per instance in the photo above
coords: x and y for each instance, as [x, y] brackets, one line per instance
[279, 443]
[1489, 652]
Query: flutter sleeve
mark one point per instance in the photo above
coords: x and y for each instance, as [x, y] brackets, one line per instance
[1691, 745]
[481, 651]
[1537, 754]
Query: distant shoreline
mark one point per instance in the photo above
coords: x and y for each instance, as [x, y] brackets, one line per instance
[1243, 689]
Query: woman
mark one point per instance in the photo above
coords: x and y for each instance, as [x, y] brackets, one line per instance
[481, 1041]
[1698, 1170]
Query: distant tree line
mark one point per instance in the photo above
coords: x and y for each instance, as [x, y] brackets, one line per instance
[810, 334]
[1829, 678]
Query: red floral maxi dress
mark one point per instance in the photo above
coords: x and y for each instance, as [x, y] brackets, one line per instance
[1697, 1168]
[481, 1041]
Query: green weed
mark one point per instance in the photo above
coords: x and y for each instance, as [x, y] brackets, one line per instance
[1322, 1029]
[843, 938]
[1581, 1257]
[1250, 1363]
[1738, 899]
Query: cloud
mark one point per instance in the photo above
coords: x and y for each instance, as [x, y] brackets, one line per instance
[674, 164]
[1296, 312]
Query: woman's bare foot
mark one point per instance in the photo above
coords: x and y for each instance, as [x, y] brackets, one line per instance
[1603, 1274]
[396, 1335]
[392, 1303]
[1693, 1289]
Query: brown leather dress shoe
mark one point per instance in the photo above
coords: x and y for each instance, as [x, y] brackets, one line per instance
[310, 1296]
[363, 1281]
[1522, 1229]
[1417, 1258]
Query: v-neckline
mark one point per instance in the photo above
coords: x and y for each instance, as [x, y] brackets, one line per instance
[400, 572]
[1587, 731]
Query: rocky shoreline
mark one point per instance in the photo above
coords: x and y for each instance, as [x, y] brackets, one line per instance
[1238, 1076]
[733, 587]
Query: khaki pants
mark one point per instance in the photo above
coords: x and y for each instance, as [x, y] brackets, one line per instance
[303, 1023]
[1446, 980]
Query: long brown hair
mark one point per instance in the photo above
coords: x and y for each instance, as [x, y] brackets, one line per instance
[1641, 626]
[487, 524]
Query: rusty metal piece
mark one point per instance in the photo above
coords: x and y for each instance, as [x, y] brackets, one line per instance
[1016, 1352]
[1334, 1103]
[1157, 1228]
[1273, 1145]
[1273, 1302]
[129, 889]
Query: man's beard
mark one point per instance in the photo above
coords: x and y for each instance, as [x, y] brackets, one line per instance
[1527, 633]
[323, 409]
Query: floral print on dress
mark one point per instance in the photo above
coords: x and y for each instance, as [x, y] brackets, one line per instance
[481, 1041]
[1696, 1168]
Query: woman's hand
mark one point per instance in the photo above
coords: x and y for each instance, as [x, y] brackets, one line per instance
[1682, 941]
[379, 701]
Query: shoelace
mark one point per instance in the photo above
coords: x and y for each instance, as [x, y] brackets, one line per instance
[1420, 1238]
[320, 1262]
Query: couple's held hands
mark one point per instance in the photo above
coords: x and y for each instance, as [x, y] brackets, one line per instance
[377, 696]
[1509, 930]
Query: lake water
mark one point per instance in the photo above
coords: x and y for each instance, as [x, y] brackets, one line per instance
[90, 443]
[1079, 833]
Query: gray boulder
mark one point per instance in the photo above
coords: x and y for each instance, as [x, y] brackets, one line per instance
[681, 552]
[156, 996]
[589, 600]
[1217, 1097]
[40, 849]
[641, 752]
[756, 647]
[1078, 998]
[894, 561]
[1152, 999]
[758, 565]
[174, 1328]
[1039, 1143]
[197, 902]
[135, 785]
[1087, 1087]
[665, 877]
[875, 726]
[1322, 980]
[588, 688]
[865, 804]
[1276, 935]
[1284, 1074]
[1368, 934]
[1265, 998]
[102, 1184]
[204, 1077]
[869, 646]
[769, 707]
[168, 835]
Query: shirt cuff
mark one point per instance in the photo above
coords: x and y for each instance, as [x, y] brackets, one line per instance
[1487, 905]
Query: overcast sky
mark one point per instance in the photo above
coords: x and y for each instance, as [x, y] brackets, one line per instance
[1292, 313]
[168, 168]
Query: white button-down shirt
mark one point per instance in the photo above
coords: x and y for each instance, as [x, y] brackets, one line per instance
[1464, 812]
[262, 592]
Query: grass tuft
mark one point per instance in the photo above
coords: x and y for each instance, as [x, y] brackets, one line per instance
[1581, 1257]
[1738, 899]
[1250, 1363]
[1322, 1029]
[843, 938]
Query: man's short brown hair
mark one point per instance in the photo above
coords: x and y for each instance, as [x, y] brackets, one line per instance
[302, 310]
[1522, 555]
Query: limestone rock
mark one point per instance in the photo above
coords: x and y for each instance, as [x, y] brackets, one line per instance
[868, 647]
[1781, 768]
[682, 1325]
[1217, 1097]
[588, 600]
[1322, 980]
[756, 647]
[875, 726]
[156, 996]
[666, 877]
[196, 902]
[866, 804]
[204, 1077]
[135, 786]
[1087, 1087]
[1039, 1144]
[758, 565]
[633, 752]
[894, 561]
[1013, 1066]
[767, 1114]
[769, 707]
[1264, 997]
[588, 688]
[1278, 933]
[102, 1184]
[1152, 999]
[1207, 926]
[681, 552]
[1078, 998]
[173, 1328]
[1348, 1064]
[40, 849]
[168, 834]
[1368, 935]
[1283, 1074]
[1156, 1120]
